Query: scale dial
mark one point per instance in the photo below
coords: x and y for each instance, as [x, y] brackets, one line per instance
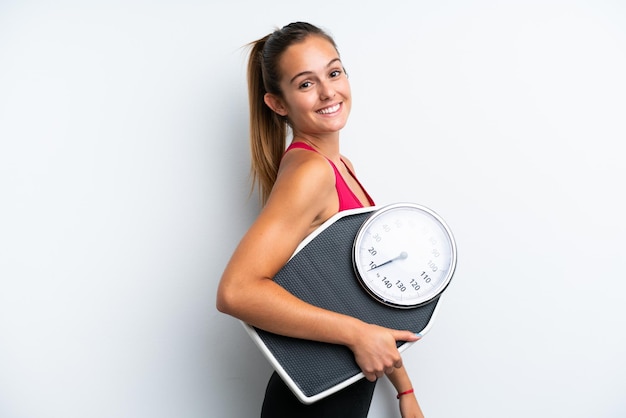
[404, 255]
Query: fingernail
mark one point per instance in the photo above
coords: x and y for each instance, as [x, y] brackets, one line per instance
[418, 335]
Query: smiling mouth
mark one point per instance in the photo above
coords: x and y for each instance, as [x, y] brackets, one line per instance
[329, 110]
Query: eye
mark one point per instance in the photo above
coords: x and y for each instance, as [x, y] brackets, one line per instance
[305, 85]
[335, 73]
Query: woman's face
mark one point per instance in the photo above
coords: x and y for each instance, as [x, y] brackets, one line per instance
[316, 92]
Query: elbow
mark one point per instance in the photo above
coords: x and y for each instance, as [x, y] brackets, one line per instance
[226, 301]
[237, 299]
[222, 303]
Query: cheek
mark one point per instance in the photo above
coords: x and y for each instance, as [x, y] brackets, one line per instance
[305, 103]
[347, 92]
[345, 83]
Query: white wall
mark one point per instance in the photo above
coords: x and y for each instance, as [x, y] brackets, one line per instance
[123, 179]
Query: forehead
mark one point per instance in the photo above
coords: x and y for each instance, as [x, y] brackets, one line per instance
[313, 54]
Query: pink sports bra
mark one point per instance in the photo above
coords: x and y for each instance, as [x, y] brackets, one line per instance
[347, 199]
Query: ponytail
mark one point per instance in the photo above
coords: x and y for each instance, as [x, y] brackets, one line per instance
[268, 130]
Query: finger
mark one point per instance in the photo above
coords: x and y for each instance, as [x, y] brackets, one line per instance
[370, 376]
[406, 336]
[389, 370]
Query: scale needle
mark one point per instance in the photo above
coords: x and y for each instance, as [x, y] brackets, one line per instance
[402, 256]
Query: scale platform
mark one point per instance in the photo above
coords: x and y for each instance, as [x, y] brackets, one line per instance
[321, 273]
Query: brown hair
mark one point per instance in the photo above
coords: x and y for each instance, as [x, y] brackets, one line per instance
[268, 130]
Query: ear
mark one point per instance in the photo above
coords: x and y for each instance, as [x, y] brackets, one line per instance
[275, 103]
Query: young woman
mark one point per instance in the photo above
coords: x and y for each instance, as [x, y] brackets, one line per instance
[296, 80]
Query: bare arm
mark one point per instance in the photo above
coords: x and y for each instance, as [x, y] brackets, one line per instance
[409, 407]
[303, 198]
[247, 290]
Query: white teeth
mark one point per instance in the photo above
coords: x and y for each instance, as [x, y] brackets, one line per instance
[329, 109]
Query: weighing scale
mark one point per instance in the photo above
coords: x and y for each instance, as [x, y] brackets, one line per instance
[384, 265]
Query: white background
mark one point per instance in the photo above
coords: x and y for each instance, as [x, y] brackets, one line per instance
[124, 190]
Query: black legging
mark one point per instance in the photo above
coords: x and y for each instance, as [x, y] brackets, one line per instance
[351, 402]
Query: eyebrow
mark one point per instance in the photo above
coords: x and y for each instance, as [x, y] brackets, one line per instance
[311, 72]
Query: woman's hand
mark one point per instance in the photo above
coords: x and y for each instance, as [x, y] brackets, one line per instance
[375, 350]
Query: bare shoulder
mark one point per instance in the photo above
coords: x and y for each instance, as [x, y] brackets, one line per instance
[308, 166]
[305, 187]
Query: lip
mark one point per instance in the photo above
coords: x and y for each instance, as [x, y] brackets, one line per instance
[330, 110]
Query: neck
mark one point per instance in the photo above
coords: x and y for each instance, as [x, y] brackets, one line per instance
[327, 145]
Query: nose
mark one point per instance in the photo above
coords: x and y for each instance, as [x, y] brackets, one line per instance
[326, 90]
